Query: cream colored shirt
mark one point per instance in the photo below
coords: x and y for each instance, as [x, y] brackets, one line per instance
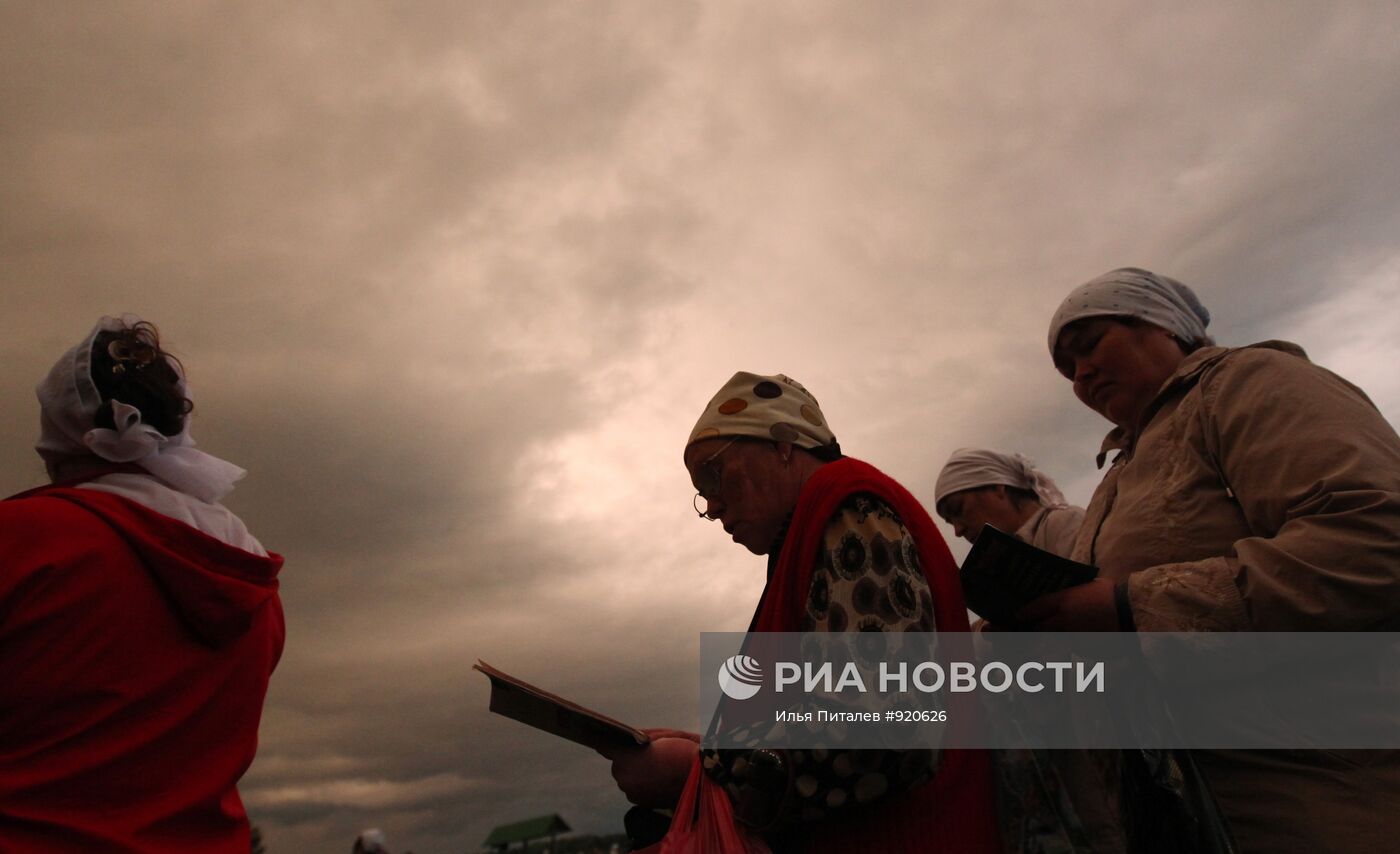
[1053, 529]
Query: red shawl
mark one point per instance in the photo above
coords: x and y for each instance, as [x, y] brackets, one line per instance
[953, 812]
[134, 657]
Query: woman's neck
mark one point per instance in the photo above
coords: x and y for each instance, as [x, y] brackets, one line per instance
[79, 469]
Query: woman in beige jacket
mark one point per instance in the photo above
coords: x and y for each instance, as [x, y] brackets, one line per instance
[1251, 491]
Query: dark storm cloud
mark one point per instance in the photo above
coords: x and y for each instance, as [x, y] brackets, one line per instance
[276, 185]
[453, 279]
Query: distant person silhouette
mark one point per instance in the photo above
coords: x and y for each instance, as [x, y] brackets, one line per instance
[370, 842]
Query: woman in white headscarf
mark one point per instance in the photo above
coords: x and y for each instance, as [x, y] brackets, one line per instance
[1252, 491]
[980, 487]
[140, 619]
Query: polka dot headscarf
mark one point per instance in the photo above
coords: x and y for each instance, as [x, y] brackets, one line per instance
[1131, 292]
[776, 408]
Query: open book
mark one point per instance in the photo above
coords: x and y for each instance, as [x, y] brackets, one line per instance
[1001, 574]
[542, 710]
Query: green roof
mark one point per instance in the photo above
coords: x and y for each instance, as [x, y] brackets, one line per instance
[530, 828]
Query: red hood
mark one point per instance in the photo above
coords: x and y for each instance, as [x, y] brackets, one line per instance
[215, 588]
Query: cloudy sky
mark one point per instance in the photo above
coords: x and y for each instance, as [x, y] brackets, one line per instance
[453, 280]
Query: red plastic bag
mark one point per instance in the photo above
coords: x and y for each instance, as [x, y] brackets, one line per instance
[704, 821]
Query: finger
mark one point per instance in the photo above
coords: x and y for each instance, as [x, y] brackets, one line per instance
[1039, 610]
[1062, 618]
[621, 776]
[662, 732]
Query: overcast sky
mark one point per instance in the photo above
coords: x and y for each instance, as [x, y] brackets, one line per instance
[453, 280]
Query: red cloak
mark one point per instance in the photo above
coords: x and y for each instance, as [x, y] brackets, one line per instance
[135, 653]
[954, 812]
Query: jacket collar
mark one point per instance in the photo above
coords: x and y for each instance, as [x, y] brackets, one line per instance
[1185, 375]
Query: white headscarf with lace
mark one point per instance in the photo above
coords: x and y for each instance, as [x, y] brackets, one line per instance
[68, 401]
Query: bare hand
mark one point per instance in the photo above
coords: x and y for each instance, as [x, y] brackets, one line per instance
[662, 732]
[1084, 608]
[612, 751]
[654, 775]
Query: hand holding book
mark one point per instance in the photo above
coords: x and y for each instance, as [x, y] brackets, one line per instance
[521, 701]
[1090, 607]
[1002, 575]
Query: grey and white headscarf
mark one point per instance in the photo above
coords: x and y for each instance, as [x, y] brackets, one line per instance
[1133, 292]
[972, 468]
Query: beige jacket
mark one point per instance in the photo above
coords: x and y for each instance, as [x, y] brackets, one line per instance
[1263, 494]
[1053, 529]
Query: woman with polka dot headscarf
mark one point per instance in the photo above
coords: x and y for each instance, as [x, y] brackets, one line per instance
[848, 549]
[1251, 491]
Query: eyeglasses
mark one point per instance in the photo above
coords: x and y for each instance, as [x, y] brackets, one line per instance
[700, 504]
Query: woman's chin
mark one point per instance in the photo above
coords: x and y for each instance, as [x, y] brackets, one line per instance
[1115, 415]
[748, 543]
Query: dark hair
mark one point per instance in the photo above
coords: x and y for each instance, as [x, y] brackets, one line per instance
[826, 453]
[128, 365]
[1021, 497]
[1187, 347]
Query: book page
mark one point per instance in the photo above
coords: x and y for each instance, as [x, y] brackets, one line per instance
[536, 707]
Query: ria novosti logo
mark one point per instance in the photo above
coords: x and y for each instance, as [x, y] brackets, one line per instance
[740, 677]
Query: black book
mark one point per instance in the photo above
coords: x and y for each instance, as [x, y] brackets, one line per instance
[1001, 574]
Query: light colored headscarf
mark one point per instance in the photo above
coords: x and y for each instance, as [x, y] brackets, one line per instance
[1132, 292]
[68, 401]
[774, 407]
[970, 468]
